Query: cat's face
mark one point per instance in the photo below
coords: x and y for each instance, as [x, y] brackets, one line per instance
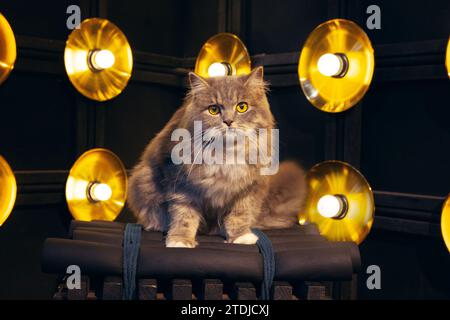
[237, 102]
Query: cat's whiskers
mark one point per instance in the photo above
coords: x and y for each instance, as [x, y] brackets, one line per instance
[205, 144]
[181, 169]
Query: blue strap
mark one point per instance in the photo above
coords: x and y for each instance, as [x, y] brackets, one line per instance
[131, 243]
[265, 247]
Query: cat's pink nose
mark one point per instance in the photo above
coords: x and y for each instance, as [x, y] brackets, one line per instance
[228, 122]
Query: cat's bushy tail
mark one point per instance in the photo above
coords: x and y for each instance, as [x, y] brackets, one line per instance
[286, 197]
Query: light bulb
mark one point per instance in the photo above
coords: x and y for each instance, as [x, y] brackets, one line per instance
[330, 65]
[102, 59]
[219, 69]
[100, 192]
[330, 206]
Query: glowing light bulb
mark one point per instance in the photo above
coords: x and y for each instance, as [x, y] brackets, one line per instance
[102, 59]
[219, 69]
[330, 206]
[330, 65]
[100, 192]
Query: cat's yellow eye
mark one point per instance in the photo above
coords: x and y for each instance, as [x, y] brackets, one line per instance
[213, 109]
[241, 107]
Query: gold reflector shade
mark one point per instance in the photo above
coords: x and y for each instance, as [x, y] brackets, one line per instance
[101, 168]
[8, 190]
[339, 180]
[336, 65]
[7, 49]
[227, 53]
[98, 59]
[445, 222]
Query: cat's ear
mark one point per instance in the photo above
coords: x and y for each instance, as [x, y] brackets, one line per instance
[255, 77]
[196, 82]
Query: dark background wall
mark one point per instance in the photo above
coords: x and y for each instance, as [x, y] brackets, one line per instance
[399, 135]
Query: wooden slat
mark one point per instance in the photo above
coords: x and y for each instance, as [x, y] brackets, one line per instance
[61, 291]
[281, 290]
[212, 289]
[39, 199]
[147, 289]
[423, 203]
[423, 228]
[181, 289]
[283, 80]
[347, 290]
[91, 296]
[41, 177]
[329, 288]
[276, 59]
[153, 59]
[160, 296]
[311, 291]
[156, 77]
[420, 72]
[408, 213]
[244, 291]
[112, 288]
[406, 49]
[82, 293]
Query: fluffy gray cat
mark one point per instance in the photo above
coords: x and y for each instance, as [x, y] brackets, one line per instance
[228, 199]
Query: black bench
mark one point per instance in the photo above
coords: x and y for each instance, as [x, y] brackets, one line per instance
[307, 265]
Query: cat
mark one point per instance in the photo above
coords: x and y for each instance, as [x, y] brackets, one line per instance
[228, 199]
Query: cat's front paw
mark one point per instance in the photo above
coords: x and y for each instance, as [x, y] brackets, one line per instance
[180, 243]
[248, 238]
